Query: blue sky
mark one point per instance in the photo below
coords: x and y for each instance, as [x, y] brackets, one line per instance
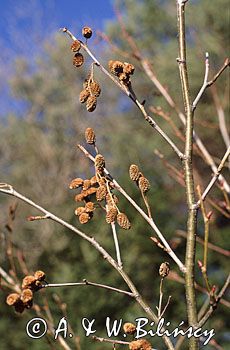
[25, 23]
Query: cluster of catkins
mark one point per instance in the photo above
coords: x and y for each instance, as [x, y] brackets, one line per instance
[141, 344]
[96, 190]
[139, 178]
[24, 300]
[78, 58]
[122, 71]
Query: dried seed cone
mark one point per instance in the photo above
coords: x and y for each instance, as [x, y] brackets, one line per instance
[111, 202]
[140, 344]
[78, 59]
[76, 45]
[99, 161]
[143, 184]
[91, 190]
[116, 67]
[91, 103]
[12, 299]
[93, 180]
[111, 215]
[123, 221]
[94, 88]
[79, 211]
[164, 269]
[75, 183]
[89, 207]
[101, 193]
[124, 78]
[26, 296]
[28, 282]
[40, 275]
[80, 197]
[86, 185]
[134, 172]
[87, 32]
[84, 94]
[129, 328]
[129, 68]
[84, 218]
[90, 136]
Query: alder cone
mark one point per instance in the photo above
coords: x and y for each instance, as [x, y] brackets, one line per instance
[116, 67]
[78, 59]
[84, 94]
[84, 218]
[101, 193]
[123, 221]
[40, 275]
[86, 185]
[26, 296]
[99, 161]
[164, 269]
[12, 299]
[28, 282]
[87, 32]
[79, 211]
[140, 344]
[91, 103]
[89, 207]
[129, 68]
[94, 88]
[143, 184]
[90, 137]
[111, 215]
[75, 183]
[129, 328]
[76, 45]
[134, 172]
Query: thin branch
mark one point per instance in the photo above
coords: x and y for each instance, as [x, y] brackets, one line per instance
[113, 341]
[210, 245]
[215, 177]
[9, 280]
[86, 283]
[143, 214]
[214, 306]
[204, 86]
[130, 93]
[225, 65]
[116, 243]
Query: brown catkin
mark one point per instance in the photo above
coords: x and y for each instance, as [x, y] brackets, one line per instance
[99, 161]
[164, 269]
[134, 172]
[129, 328]
[40, 275]
[91, 190]
[111, 201]
[123, 221]
[111, 215]
[80, 197]
[90, 136]
[84, 94]
[76, 45]
[78, 59]
[94, 88]
[93, 180]
[87, 32]
[91, 103]
[129, 68]
[75, 183]
[116, 67]
[12, 299]
[84, 218]
[143, 184]
[140, 344]
[26, 296]
[101, 193]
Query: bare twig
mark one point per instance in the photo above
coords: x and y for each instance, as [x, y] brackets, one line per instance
[215, 177]
[116, 243]
[86, 283]
[214, 305]
[113, 341]
[204, 86]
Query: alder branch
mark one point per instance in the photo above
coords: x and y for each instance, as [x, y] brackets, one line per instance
[143, 214]
[9, 190]
[204, 86]
[130, 93]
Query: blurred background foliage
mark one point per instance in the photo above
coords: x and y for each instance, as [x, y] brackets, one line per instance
[38, 156]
